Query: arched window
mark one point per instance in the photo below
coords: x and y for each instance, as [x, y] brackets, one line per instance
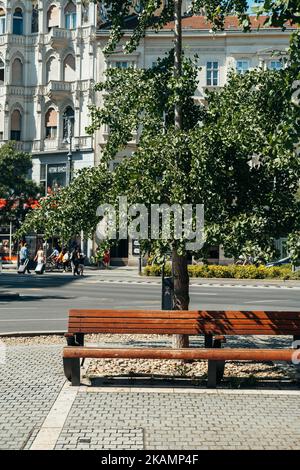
[51, 124]
[35, 17]
[18, 21]
[2, 72]
[17, 72]
[51, 69]
[70, 16]
[69, 68]
[68, 123]
[52, 17]
[2, 21]
[15, 125]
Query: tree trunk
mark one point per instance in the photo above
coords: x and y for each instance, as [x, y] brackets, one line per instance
[179, 263]
[181, 293]
[178, 58]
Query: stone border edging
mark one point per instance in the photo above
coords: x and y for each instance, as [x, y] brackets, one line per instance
[29, 334]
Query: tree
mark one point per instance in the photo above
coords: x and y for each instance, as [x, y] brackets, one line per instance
[17, 191]
[170, 166]
[215, 10]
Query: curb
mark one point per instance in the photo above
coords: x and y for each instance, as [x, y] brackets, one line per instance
[32, 333]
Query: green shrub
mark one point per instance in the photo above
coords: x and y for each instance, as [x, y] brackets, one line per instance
[231, 271]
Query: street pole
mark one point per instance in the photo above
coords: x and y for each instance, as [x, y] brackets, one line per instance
[10, 239]
[69, 156]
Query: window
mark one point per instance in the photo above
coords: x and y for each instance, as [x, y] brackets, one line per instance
[275, 65]
[52, 177]
[122, 65]
[70, 16]
[212, 73]
[35, 17]
[52, 17]
[69, 68]
[15, 125]
[68, 120]
[2, 21]
[18, 21]
[2, 69]
[242, 66]
[51, 69]
[51, 124]
[17, 72]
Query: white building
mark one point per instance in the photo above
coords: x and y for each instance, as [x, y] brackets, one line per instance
[47, 71]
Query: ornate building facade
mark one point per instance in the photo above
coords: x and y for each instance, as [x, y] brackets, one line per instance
[47, 72]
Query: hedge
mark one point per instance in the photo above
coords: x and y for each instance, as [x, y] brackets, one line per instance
[231, 271]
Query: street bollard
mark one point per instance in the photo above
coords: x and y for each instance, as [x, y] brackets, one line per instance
[167, 293]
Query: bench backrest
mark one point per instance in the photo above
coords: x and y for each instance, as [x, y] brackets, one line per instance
[191, 322]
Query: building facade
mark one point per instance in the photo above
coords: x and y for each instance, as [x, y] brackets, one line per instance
[47, 72]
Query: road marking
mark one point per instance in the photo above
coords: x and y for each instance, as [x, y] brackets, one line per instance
[18, 308]
[32, 319]
[272, 301]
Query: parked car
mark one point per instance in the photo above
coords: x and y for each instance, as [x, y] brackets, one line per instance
[279, 262]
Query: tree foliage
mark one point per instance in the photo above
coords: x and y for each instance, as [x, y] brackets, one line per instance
[16, 188]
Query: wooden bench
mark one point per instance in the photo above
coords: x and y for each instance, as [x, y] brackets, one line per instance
[214, 325]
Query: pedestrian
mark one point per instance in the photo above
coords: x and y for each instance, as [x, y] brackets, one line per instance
[24, 257]
[75, 261]
[81, 263]
[40, 259]
[65, 260]
[106, 259]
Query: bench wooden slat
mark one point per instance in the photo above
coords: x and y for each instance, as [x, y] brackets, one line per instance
[187, 331]
[179, 321]
[217, 354]
[137, 330]
[134, 321]
[133, 313]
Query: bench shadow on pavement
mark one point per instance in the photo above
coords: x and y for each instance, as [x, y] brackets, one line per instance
[199, 382]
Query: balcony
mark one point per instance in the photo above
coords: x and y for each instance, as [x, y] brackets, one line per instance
[54, 145]
[58, 90]
[59, 37]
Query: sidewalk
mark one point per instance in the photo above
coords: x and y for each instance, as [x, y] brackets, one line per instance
[130, 274]
[40, 410]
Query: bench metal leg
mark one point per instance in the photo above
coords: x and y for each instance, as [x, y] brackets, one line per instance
[215, 368]
[72, 370]
[212, 374]
[75, 368]
[67, 362]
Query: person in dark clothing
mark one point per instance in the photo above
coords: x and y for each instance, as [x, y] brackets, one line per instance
[75, 259]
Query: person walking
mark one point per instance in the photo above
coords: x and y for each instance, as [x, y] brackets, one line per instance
[106, 259]
[81, 263]
[65, 260]
[75, 261]
[40, 260]
[24, 257]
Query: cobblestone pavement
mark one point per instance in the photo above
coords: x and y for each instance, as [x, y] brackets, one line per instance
[180, 418]
[30, 380]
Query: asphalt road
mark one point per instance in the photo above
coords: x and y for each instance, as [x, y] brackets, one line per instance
[44, 300]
